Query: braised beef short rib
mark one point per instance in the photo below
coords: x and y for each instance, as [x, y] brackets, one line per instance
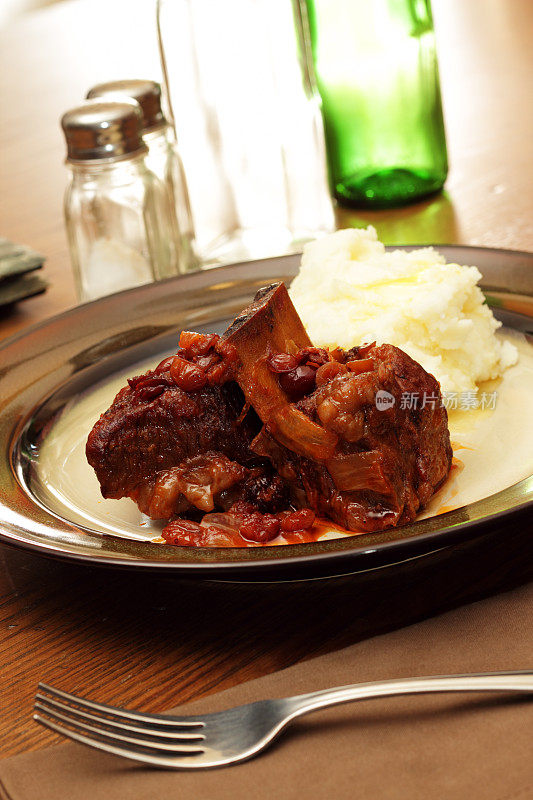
[260, 419]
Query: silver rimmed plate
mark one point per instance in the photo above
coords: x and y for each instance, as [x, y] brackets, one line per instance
[51, 368]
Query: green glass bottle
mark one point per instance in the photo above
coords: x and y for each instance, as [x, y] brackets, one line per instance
[375, 67]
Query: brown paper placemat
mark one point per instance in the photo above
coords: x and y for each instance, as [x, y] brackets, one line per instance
[447, 746]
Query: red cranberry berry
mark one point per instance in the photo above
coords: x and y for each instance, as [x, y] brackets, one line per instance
[282, 362]
[299, 382]
[189, 377]
[260, 527]
[298, 520]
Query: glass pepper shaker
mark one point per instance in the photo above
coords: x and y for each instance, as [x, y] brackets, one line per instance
[163, 158]
[116, 209]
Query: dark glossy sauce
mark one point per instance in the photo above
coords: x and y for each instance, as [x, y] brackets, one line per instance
[321, 527]
[213, 536]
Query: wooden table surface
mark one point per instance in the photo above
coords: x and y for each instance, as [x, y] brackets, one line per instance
[149, 641]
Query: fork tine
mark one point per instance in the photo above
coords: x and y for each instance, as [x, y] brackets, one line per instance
[133, 716]
[101, 734]
[179, 761]
[45, 703]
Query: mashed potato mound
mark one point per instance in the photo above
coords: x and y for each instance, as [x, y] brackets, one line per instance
[350, 291]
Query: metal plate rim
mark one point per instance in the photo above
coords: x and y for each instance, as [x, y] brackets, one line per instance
[446, 533]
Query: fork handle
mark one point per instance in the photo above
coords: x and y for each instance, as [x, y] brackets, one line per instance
[478, 682]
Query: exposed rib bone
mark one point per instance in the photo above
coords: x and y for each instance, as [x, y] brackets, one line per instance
[270, 324]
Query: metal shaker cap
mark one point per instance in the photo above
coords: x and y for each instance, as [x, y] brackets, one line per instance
[146, 93]
[101, 129]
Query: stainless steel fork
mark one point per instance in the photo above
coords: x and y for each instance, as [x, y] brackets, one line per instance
[226, 737]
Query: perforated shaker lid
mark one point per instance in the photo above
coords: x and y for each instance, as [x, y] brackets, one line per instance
[101, 129]
[146, 93]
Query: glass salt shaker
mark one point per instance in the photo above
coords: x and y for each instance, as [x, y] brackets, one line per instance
[116, 210]
[163, 158]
